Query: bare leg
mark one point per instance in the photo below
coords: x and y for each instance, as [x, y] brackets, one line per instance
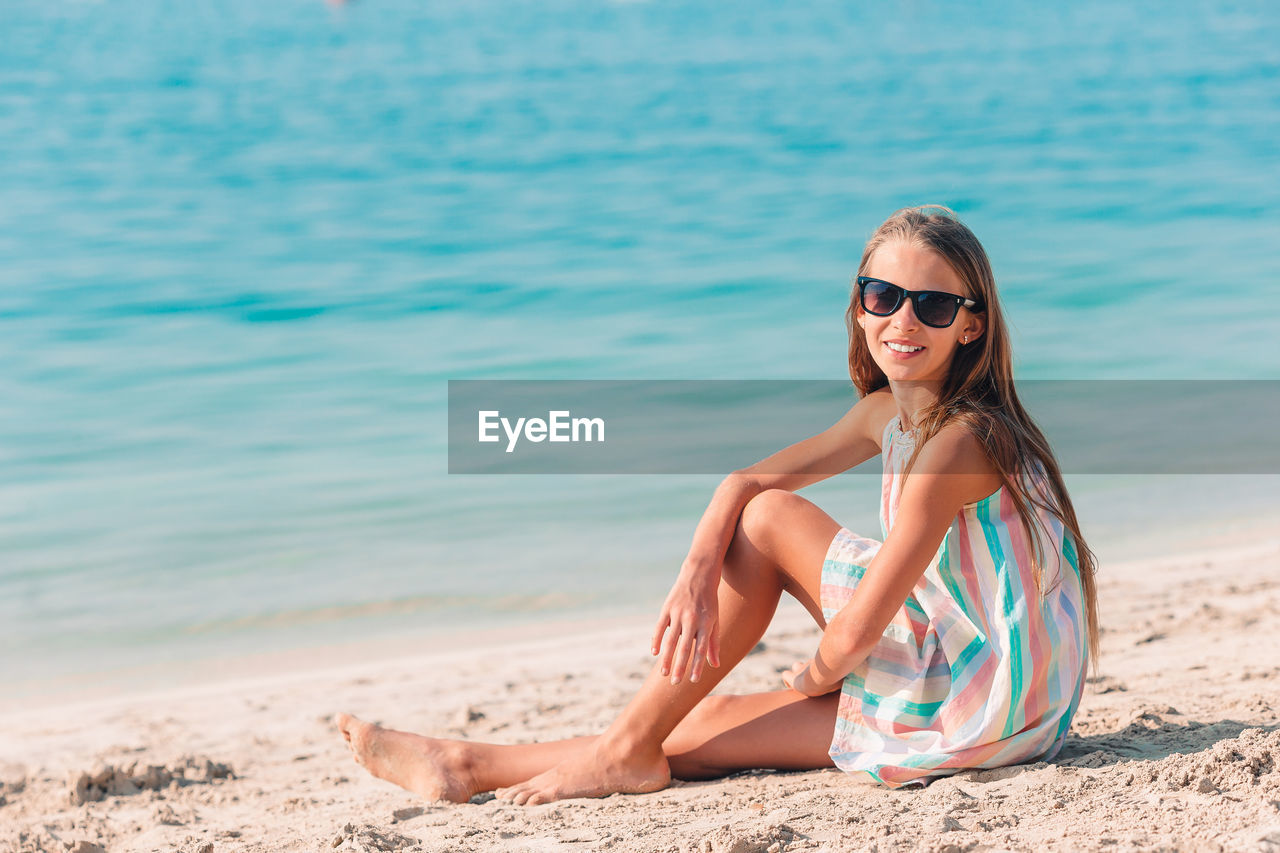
[780, 730]
[453, 770]
[724, 734]
[779, 544]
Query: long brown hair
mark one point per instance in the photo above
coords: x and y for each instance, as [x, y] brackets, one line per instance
[978, 391]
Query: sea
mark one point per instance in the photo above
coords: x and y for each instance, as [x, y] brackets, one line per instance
[244, 247]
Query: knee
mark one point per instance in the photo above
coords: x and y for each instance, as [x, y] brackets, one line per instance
[765, 514]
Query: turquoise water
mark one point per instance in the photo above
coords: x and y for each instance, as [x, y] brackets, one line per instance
[243, 246]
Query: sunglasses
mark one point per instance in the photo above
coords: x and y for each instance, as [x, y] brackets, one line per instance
[935, 308]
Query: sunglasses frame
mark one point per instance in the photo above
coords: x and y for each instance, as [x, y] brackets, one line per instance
[915, 297]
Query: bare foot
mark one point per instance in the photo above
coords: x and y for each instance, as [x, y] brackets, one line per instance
[596, 772]
[431, 768]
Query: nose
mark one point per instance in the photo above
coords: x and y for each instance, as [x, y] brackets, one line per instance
[905, 317]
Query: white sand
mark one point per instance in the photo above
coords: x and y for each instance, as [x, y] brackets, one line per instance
[1176, 747]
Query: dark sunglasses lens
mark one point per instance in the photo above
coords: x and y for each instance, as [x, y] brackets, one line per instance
[880, 298]
[936, 309]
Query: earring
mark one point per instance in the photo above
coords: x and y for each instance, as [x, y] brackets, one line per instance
[966, 340]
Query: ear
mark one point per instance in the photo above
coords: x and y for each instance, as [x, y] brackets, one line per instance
[973, 328]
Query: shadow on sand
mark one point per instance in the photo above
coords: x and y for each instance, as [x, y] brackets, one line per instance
[1150, 737]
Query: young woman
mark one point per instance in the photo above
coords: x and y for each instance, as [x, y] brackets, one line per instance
[960, 641]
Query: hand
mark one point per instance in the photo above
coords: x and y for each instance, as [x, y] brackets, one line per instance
[800, 679]
[691, 611]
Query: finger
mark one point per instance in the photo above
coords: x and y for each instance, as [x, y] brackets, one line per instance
[663, 621]
[699, 655]
[713, 653]
[791, 678]
[682, 655]
[671, 642]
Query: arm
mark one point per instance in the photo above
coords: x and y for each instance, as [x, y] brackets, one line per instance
[850, 441]
[690, 610]
[951, 471]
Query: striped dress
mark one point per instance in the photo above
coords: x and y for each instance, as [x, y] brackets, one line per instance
[977, 669]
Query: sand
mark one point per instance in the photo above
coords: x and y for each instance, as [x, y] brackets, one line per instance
[1176, 747]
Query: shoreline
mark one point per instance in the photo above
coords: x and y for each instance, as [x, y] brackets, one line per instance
[302, 663]
[1177, 743]
[244, 653]
[406, 648]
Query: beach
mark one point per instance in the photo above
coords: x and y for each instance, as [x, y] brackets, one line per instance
[247, 249]
[1176, 746]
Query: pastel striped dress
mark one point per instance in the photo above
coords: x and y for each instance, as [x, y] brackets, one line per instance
[977, 669]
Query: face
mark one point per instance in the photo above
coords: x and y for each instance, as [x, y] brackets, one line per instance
[903, 347]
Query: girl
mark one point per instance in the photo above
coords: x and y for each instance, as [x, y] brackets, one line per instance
[959, 642]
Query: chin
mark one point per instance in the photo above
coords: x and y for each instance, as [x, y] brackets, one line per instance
[905, 373]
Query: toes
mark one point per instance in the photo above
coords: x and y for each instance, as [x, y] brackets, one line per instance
[526, 793]
[343, 722]
[354, 732]
[517, 795]
[346, 724]
[530, 796]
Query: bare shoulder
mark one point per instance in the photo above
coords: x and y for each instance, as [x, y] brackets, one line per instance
[872, 414]
[956, 452]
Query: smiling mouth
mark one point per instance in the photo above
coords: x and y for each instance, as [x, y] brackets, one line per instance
[902, 347]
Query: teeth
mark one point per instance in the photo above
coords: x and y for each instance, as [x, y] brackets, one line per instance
[902, 347]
